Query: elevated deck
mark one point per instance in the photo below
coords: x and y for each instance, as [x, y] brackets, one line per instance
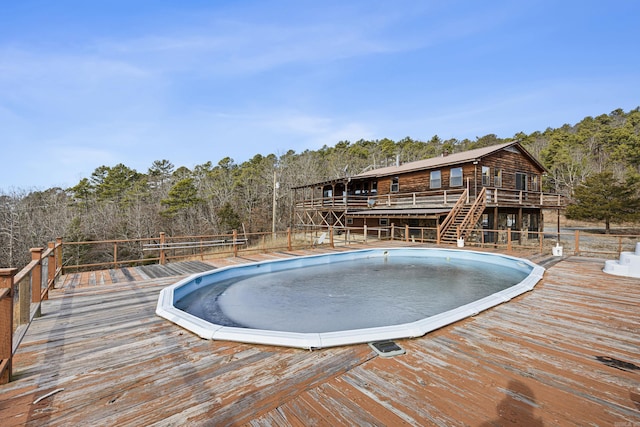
[567, 353]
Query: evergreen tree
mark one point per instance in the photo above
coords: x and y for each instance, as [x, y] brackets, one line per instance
[602, 198]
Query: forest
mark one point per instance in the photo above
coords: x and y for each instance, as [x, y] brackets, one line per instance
[117, 202]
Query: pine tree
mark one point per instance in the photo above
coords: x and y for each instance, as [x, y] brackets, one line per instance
[602, 198]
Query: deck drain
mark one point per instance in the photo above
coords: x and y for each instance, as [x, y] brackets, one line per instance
[386, 348]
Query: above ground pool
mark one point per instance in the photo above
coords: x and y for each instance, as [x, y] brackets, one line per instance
[345, 298]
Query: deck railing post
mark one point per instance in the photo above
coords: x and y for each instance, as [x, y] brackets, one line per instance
[58, 254]
[406, 233]
[235, 243]
[36, 279]
[331, 237]
[24, 299]
[509, 239]
[163, 258]
[619, 246]
[541, 239]
[51, 269]
[393, 231]
[364, 232]
[6, 324]
[115, 254]
[289, 247]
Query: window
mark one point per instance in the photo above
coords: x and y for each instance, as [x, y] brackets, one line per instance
[383, 222]
[486, 176]
[534, 183]
[435, 181]
[374, 187]
[521, 181]
[455, 179]
[497, 177]
[485, 220]
[395, 184]
[349, 221]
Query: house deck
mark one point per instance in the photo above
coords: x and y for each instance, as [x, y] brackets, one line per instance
[567, 353]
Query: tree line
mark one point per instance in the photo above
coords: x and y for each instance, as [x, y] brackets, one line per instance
[117, 202]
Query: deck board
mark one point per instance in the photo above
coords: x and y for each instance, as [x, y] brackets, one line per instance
[567, 353]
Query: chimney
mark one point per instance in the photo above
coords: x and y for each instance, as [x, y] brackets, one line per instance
[398, 160]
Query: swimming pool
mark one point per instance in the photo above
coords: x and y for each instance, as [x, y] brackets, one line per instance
[345, 298]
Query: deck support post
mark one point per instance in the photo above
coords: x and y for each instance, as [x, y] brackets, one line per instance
[6, 324]
[509, 239]
[577, 250]
[289, 247]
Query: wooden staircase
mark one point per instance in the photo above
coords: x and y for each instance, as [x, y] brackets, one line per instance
[463, 218]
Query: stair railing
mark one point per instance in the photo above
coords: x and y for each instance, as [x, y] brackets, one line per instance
[448, 221]
[473, 215]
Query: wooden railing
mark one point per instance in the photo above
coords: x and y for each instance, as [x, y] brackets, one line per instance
[386, 201]
[502, 197]
[495, 196]
[164, 248]
[21, 294]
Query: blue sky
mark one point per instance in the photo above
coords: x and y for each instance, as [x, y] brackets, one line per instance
[91, 83]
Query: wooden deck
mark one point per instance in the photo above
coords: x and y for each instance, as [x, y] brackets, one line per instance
[566, 354]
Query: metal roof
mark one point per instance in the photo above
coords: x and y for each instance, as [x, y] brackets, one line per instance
[435, 162]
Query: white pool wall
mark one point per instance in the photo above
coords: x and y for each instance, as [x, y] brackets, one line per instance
[207, 330]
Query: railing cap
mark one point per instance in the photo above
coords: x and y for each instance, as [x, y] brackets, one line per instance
[8, 271]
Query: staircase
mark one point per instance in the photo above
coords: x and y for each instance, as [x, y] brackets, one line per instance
[463, 218]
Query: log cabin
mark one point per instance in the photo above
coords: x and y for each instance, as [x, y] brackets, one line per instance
[456, 196]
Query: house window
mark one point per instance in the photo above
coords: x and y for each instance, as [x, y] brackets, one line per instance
[485, 220]
[374, 187]
[535, 183]
[521, 181]
[383, 222]
[455, 179]
[486, 176]
[435, 181]
[349, 221]
[395, 184]
[497, 177]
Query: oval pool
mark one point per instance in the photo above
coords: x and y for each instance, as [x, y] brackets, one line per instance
[345, 298]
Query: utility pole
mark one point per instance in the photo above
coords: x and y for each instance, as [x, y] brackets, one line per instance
[276, 184]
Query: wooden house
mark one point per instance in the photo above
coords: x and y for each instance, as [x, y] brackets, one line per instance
[491, 188]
